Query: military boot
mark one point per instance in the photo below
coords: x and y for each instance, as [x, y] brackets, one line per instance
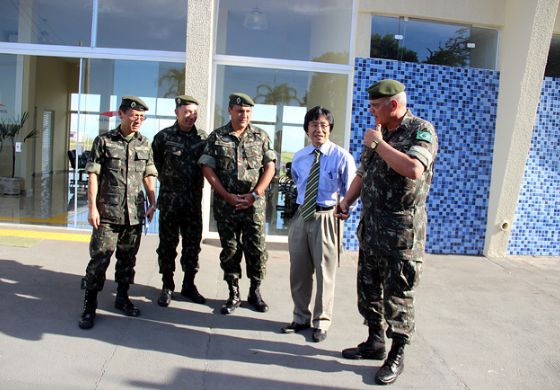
[88, 314]
[255, 298]
[394, 365]
[234, 299]
[189, 289]
[372, 348]
[122, 302]
[166, 291]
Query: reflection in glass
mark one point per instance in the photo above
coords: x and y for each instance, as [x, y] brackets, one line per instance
[553, 62]
[147, 25]
[282, 98]
[311, 30]
[431, 42]
[53, 22]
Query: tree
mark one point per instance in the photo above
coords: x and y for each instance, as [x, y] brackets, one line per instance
[9, 130]
[388, 47]
[281, 93]
[175, 79]
[453, 53]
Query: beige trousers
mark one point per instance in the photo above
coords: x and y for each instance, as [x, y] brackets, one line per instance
[312, 246]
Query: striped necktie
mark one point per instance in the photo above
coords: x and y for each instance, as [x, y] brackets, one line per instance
[311, 190]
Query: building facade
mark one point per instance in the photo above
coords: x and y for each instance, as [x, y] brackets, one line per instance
[482, 71]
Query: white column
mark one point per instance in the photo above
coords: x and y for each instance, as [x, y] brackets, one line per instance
[198, 72]
[524, 46]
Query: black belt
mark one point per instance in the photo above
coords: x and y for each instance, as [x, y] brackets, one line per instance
[321, 208]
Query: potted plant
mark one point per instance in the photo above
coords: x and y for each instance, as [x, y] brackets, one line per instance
[9, 131]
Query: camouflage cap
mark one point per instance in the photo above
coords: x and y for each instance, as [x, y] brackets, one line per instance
[185, 99]
[241, 99]
[384, 88]
[133, 102]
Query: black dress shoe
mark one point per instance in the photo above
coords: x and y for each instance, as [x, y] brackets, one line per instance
[128, 308]
[294, 327]
[193, 294]
[165, 297]
[319, 335]
[365, 351]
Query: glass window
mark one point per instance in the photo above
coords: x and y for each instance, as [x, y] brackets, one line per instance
[53, 22]
[553, 62]
[311, 30]
[8, 73]
[282, 98]
[149, 25]
[430, 42]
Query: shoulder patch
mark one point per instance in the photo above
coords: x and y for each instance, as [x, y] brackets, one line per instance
[424, 135]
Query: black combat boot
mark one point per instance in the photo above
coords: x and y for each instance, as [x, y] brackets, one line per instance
[166, 291]
[189, 289]
[88, 314]
[255, 298]
[122, 302]
[394, 365]
[234, 299]
[372, 348]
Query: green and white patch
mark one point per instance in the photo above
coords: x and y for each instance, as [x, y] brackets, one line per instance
[424, 135]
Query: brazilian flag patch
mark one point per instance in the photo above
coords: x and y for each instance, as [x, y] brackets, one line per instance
[424, 135]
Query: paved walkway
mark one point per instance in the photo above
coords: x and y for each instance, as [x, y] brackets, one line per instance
[481, 324]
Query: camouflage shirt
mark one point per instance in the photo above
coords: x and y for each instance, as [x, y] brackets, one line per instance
[386, 191]
[238, 162]
[394, 207]
[176, 155]
[121, 166]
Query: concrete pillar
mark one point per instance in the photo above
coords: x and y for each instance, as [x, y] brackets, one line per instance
[198, 73]
[200, 20]
[524, 46]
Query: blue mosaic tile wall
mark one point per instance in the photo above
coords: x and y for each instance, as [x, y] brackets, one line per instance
[461, 103]
[536, 228]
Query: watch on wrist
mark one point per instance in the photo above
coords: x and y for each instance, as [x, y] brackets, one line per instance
[255, 195]
[374, 144]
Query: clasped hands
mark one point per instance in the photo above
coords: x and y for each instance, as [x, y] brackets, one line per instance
[241, 201]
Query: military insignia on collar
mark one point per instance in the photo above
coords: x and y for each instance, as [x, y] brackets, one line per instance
[132, 104]
[424, 135]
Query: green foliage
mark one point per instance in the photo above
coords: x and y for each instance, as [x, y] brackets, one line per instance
[9, 131]
[453, 53]
[281, 93]
[388, 47]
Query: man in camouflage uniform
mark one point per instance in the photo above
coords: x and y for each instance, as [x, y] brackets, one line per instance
[176, 153]
[394, 179]
[239, 163]
[119, 164]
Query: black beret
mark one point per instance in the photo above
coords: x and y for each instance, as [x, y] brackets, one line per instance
[185, 99]
[134, 102]
[240, 99]
[384, 88]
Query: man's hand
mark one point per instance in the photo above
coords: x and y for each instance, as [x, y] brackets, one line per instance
[373, 135]
[150, 213]
[238, 201]
[93, 217]
[245, 201]
[342, 211]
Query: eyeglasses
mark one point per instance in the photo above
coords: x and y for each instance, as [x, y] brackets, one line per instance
[321, 125]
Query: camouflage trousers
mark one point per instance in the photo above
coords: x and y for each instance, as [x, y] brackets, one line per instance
[105, 240]
[386, 292]
[175, 223]
[242, 233]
